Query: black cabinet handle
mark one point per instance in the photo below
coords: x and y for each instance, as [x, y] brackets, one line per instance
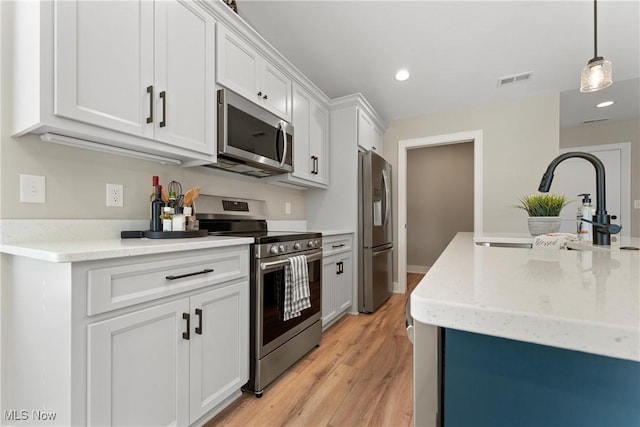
[259, 93]
[337, 246]
[199, 327]
[182, 276]
[341, 267]
[150, 92]
[163, 96]
[265, 96]
[337, 268]
[317, 160]
[187, 335]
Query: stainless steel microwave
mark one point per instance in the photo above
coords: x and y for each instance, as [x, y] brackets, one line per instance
[251, 140]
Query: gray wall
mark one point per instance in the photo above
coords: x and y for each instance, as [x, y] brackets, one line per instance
[520, 137]
[611, 133]
[439, 199]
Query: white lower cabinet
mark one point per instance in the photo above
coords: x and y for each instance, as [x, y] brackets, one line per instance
[138, 368]
[337, 278]
[169, 364]
[150, 340]
[219, 352]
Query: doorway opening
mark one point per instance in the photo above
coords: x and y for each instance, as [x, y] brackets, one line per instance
[403, 148]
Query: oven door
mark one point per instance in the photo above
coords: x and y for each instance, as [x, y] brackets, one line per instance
[271, 331]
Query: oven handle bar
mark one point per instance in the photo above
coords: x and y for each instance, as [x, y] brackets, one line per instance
[266, 265]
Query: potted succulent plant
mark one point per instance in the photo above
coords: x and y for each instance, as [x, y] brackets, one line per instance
[544, 212]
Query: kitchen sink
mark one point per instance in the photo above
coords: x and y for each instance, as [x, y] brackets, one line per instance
[505, 245]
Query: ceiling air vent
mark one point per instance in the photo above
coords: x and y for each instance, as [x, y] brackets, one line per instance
[523, 77]
[602, 119]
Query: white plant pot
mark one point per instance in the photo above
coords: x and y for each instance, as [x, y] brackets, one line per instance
[543, 224]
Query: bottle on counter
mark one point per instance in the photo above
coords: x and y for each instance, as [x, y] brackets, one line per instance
[585, 211]
[172, 202]
[167, 219]
[157, 205]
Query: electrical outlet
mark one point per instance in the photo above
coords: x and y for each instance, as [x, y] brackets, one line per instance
[115, 195]
[287, 208]
[636, 204]
[32, 189]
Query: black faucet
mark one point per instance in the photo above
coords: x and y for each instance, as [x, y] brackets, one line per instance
[603, 229]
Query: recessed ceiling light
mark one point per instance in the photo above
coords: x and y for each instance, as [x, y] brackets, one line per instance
[605, 104]
[402, 75]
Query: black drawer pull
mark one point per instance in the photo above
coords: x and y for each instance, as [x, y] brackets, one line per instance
[150, 92]
[163, 96]
[199, 327]
[182, 276]
[187, 335]
[337, 246]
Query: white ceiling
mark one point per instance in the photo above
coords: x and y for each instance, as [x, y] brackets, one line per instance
[455, 50]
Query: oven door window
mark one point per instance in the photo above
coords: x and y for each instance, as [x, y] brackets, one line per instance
[273, 299]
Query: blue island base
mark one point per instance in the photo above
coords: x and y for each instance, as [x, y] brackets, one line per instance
[495, 382]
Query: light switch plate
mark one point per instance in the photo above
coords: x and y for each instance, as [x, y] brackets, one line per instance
[636, 204]
[32, 189]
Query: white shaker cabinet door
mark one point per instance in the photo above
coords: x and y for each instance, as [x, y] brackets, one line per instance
[276, 91]
[185, 98]
[365, 130]
[104, 63]
[219, 346]
[329, 278]
[138, 368]
[238, 65]
[303, 163]
[319, 142]
[344, 284]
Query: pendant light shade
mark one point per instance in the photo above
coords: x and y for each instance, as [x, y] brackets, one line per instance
[596, 75]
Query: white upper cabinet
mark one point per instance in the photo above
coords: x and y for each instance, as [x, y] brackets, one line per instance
[139, 67]
[245, 71]
[104, 63]
[369, 136]
[185, 74]
[311, 148]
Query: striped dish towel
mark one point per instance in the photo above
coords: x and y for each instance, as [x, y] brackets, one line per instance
[296, 287]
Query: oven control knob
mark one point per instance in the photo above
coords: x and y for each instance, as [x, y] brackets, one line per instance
[310, 243]
[273, 249]
[282, 249]
[297, 246]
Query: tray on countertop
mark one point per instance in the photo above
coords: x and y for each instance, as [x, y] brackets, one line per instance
[163, 234]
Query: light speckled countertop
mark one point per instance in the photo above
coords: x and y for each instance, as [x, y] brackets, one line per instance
[87, 240]
[578, 300]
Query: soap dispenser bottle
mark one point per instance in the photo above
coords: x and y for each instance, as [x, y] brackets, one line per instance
[585, 211]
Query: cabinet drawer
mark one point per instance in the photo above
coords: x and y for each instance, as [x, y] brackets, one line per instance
[119, 286]
[336, 244]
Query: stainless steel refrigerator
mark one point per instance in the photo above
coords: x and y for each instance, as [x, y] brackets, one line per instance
[375, 236]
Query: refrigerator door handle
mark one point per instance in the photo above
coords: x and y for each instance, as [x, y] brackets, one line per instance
[384, 251]
[387, 194]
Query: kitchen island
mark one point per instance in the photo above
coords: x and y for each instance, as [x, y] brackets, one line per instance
[528, 336]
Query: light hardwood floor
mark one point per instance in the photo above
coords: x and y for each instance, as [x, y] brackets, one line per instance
[361, 375]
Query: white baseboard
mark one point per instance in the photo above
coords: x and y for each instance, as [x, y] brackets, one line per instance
[421, 269]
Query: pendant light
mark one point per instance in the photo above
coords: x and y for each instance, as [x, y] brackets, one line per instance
[596, 74]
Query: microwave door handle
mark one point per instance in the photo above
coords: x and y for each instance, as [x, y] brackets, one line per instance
[284, 142]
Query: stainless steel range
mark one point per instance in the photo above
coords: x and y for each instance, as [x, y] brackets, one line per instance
[275, 344]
